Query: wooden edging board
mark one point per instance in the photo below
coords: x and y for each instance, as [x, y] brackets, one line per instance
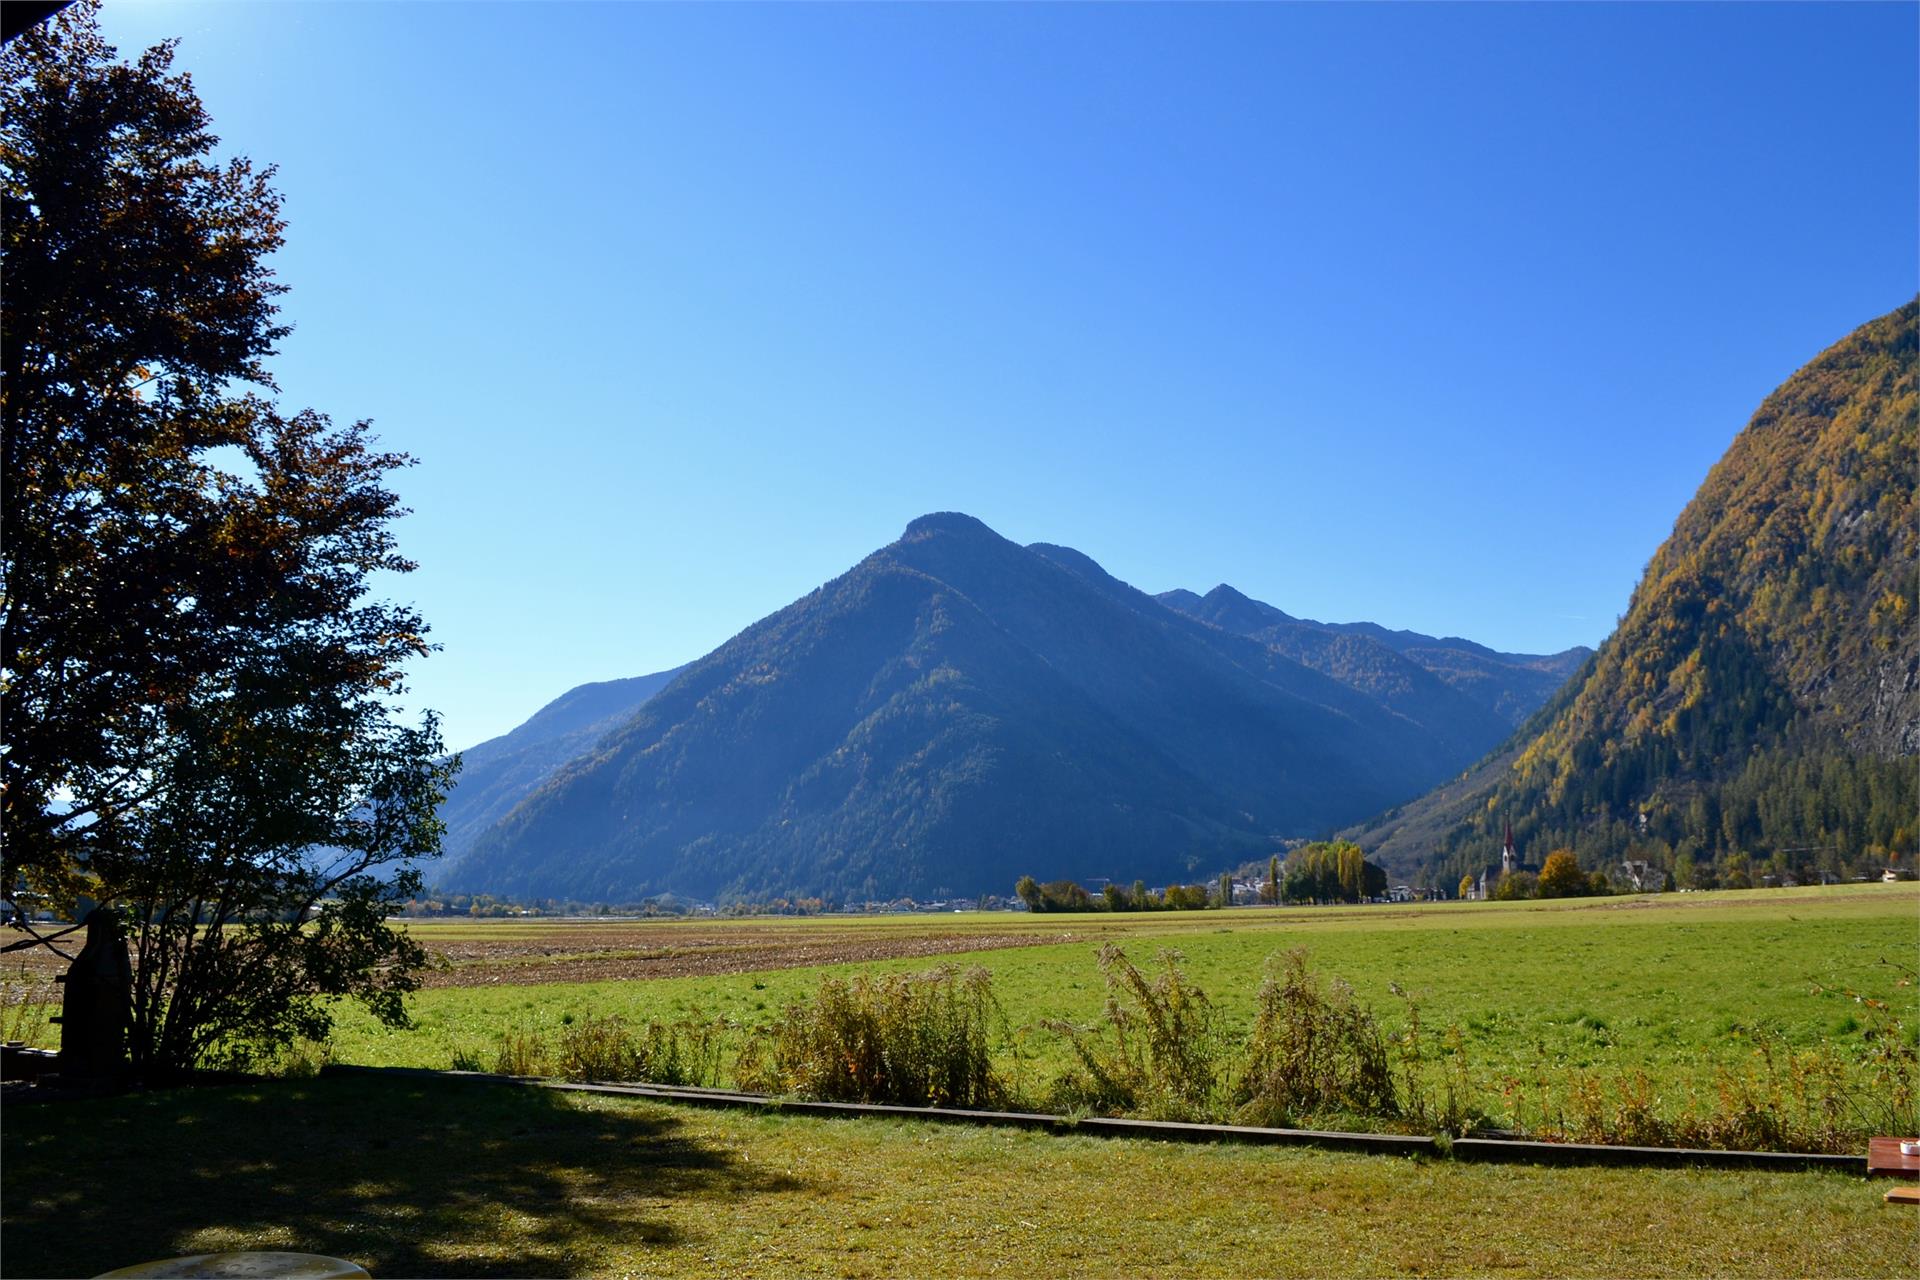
[1504, 1150]
[1512, 1150]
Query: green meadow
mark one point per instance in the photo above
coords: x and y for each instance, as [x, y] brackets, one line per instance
[1679, 985]
[414, 1177]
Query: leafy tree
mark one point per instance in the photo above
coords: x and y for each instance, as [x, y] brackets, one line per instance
[1185, 897]
[1226, 888]
[1515, 887]
[1027, 889]
[1066, 895]
[199, 721]
[1561, 876]
[1466, 886]
[1272, 892]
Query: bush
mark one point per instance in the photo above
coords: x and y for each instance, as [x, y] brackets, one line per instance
[911, 1039]
[1157, 1052]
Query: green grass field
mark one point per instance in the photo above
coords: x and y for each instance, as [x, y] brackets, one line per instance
[1674, 984]
[427, 1178]
[415, 1178]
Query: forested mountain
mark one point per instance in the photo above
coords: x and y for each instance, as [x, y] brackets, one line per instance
[1758, 710]
[952, 713]
[1452, 685]
[501, 772]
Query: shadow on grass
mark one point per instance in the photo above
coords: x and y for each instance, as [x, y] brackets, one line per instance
[407, 1178]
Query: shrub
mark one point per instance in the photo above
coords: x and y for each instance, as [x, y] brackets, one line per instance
[1157, 1051]
[912, 1039]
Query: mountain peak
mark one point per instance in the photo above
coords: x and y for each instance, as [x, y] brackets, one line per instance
[1224, 594]
[946, 522]
[1180, 599]
[1224, 602]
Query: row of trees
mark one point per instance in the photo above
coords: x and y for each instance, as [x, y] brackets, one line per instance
[1329, 871]
[1324, 871]
[1070, 895]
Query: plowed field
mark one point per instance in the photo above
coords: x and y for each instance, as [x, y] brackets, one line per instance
[513, 954]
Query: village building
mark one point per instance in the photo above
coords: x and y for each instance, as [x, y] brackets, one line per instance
[1491, 875]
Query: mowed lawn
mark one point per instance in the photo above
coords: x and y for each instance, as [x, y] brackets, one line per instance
[1673, 983]
[454, 1178]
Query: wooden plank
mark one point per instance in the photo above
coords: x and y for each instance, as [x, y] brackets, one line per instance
[1487, 1149]
[1884, 1159]
[1511, 1151]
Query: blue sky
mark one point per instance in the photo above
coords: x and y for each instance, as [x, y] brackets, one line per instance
[1429, 315]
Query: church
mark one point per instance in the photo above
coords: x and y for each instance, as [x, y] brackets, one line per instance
[1491, 875]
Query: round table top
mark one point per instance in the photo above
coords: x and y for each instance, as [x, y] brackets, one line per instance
[248, 1265]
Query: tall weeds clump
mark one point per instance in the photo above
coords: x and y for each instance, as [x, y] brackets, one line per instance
[669, 1053]
[912, 1039]
[1314, 1051]
[1455, 1107]
[27, 1001]
[1157, 1051]
[523, 1053]
[302, 1059]
[1779, 1099]
[1890, 1102]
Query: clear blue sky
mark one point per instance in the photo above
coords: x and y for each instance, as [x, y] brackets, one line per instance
[1429, 315]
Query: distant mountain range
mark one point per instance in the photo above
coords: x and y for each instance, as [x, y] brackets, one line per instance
[958, 710]
[1758, 709]
[501, 772]
[1460, 690]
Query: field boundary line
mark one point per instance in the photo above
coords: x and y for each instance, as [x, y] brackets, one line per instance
[1482, 1150]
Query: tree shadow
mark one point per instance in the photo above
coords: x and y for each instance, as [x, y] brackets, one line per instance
[407, 1177]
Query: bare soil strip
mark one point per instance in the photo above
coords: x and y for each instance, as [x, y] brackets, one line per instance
[642, 952]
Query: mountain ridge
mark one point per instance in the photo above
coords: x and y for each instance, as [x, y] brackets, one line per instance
[952, 712]
[1760, 699]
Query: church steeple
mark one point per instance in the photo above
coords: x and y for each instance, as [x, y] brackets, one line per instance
[1509, 861]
